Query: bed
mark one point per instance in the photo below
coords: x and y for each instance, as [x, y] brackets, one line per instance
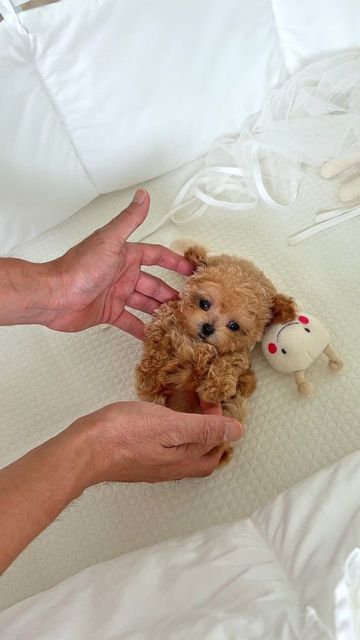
[48, 379]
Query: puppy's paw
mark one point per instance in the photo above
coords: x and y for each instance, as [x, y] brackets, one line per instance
[247, 383]
[228, 391]
[208, 394]
[215, 393]
[226, 456]
[197, 255]
[236, 408]
[159, 398]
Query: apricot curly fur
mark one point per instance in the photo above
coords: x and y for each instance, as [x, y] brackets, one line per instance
[181, 363]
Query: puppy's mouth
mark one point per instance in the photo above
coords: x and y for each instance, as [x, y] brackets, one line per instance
[207, 339]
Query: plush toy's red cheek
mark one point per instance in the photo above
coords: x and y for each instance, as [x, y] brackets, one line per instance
[272, 348]
[304, 320]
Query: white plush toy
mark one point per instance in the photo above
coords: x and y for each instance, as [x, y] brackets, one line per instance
[293, 347]
[351, 189]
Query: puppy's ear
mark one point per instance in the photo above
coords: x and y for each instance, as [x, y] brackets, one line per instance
[197, 255]
[283, 309]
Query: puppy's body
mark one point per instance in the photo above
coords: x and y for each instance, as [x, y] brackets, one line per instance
[200, 345]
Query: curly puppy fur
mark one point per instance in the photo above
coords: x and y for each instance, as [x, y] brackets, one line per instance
[200, 345]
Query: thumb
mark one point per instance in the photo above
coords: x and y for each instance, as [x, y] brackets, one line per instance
[132, 217]
[208, 430]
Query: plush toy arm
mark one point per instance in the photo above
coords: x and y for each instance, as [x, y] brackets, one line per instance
[335, 362]
[334, 167]
[351, 189]
[304, 388]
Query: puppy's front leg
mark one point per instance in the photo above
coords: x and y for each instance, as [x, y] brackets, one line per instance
[246, 383]
[155, 367]
[237, 406]
[221, 380]
[149, 384]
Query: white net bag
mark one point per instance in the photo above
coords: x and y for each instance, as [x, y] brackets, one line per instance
[313, 117]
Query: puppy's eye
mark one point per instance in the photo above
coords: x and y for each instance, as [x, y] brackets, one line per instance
[204, 304]
[233, 326]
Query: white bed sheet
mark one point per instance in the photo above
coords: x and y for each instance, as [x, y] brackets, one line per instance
[47, 379]
[269, 577]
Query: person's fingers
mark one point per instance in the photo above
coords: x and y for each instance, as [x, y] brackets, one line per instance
[129, 323]
[205, 465]
[205, 430]
[193, 451]
[156, 254]
[142, 303]
[131, 218]
[155, 288]
[211, 409]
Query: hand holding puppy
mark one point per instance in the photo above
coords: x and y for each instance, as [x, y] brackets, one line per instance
[123, 442]
[144, 442]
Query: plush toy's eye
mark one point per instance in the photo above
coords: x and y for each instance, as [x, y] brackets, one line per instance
[283, 351]
[204, 304]
[272, 348]
[307, 330]
[304, 320]
[233, 326]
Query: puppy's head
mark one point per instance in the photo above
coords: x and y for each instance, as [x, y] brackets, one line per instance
[226, 302]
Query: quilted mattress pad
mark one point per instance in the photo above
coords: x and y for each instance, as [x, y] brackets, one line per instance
[48, 379]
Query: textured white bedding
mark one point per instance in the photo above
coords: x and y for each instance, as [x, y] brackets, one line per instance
[48, 379]
[269, 577]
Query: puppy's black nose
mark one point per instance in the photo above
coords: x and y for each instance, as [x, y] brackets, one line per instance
[208, 329]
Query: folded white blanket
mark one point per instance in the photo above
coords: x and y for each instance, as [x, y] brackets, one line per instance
[270, 577]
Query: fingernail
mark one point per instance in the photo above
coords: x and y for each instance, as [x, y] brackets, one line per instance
[139, 196]
[233, 431]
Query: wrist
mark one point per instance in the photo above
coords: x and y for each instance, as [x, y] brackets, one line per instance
[27, 292]
[77, 446]
[89, 450]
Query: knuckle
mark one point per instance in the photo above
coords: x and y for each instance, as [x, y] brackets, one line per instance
[128, 210]
[214, 431]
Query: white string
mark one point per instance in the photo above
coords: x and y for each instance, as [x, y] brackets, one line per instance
[9, 14]
[259, 183]
[333, 213]
[204, 179]
[329, 219]
[208, 180]
[314, 116]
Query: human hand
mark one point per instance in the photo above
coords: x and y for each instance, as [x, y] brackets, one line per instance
[144, 442]
[102, 275]
[124, 442]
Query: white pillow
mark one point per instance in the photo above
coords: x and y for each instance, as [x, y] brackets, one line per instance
[308, 29]
[97, 96]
